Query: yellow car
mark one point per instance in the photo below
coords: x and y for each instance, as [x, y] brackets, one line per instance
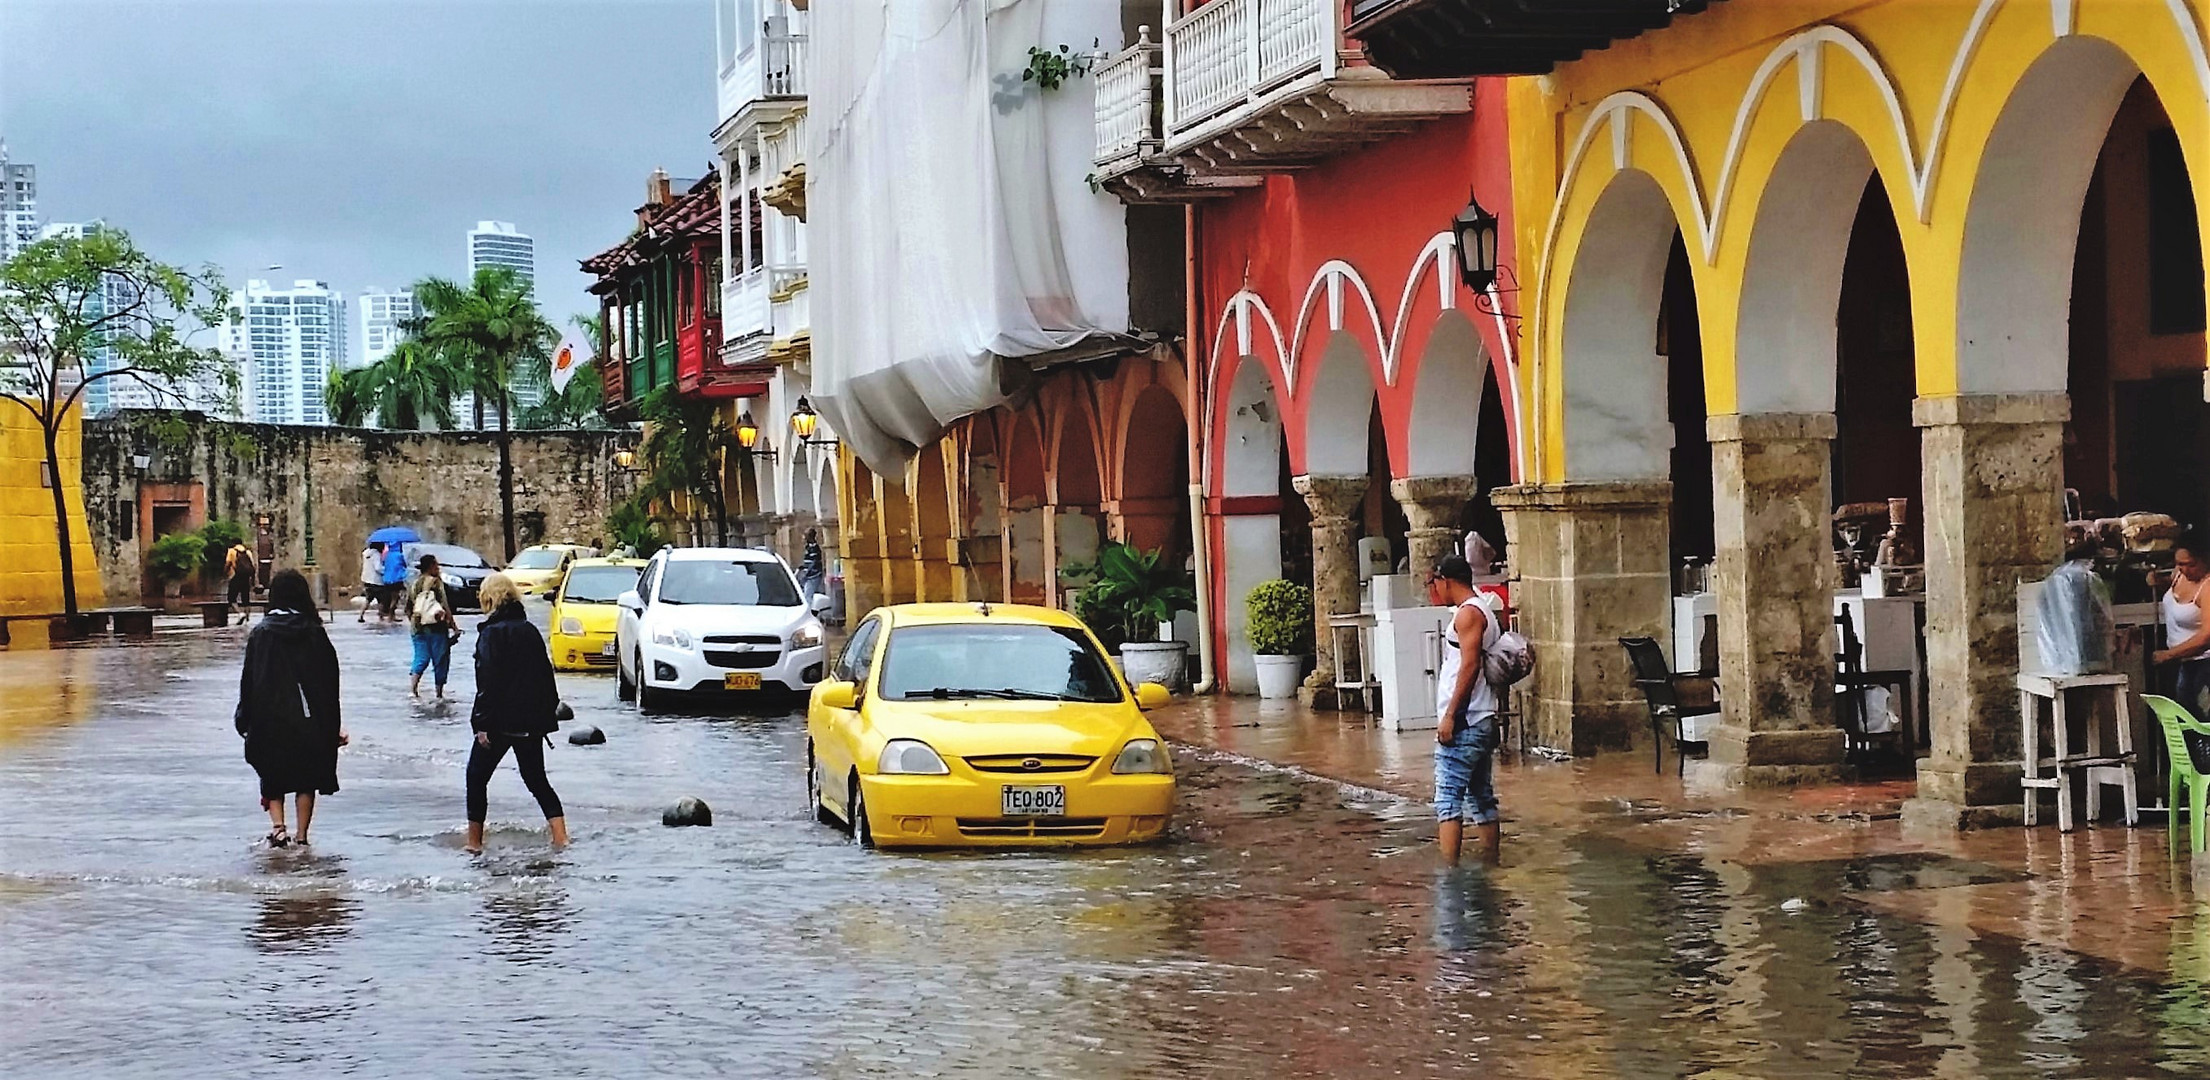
[977, 725]
[584, 612]
[536, 571]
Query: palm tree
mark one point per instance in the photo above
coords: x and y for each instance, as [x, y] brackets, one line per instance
[486, 329]
[345, 395]
[412, 387]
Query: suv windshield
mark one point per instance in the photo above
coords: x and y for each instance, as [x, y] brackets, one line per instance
[1021, 661]
[598, 584]
[535, 559]
[744, 582]
[448, 556]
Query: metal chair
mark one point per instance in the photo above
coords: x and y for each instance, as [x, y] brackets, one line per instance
[1851, 680]
[1661, 691]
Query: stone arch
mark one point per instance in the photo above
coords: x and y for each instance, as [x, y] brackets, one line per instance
[1154, 474]
[1785, 346]
[933, 531]
[1339, 402]
[1447, 400]
[1251, 422]
[1616, 426]
[1026, 495]
[2014, 283]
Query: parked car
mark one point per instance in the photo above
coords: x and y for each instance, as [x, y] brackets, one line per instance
[536, 570]
[462, 569]
[716, 620]
[984, 725]
[585, 609]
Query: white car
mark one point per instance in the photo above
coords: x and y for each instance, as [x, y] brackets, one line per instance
[715, 619]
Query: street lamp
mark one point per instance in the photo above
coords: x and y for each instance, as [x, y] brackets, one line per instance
[748, 437]
[625, 459]
[1475, 229]
[803, 422]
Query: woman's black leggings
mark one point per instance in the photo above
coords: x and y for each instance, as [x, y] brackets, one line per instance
[529, 756]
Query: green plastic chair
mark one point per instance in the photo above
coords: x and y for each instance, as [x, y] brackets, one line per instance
[2175, 720]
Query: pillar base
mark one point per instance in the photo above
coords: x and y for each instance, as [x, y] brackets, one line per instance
[1940, 816]
[1783, 756]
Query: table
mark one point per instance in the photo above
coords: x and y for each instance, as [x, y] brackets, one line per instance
[2097, 769]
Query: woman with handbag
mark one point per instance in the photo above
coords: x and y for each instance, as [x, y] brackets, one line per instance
[288, 706]
[517, 707]
[430, 616]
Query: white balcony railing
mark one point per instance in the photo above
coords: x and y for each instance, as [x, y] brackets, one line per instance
[744, 305]
[774, 67]
[784, 148]
[791, 313]
[1127, 114]
[1229, 51]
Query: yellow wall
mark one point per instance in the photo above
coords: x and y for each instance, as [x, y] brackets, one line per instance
[30, 560]
[1707, 106]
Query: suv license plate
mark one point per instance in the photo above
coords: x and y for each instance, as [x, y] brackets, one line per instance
[1042, 800]
[741, 680]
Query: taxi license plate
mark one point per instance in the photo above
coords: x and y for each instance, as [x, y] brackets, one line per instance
[741, 680]
[1042, 800]
[607, 650]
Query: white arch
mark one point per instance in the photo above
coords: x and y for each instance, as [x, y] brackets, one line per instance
[1617, 425]
[1444, 431]
[1785, 344]
[1337, 421]
[1251, 455]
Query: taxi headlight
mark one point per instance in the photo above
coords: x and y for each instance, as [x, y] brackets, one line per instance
[1142, 756]
[679, 638]
[910, 757]
[571, 626]
[807, 636]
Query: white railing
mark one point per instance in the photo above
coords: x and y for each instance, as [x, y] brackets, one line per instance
[772, 68]
[784, 148]
[791, 314]
[744, 305]
[1126, 99]
[1227, 51]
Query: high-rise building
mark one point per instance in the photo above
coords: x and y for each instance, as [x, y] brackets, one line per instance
[18, 204]
[498, 243]
[287, 340]
[384, 313]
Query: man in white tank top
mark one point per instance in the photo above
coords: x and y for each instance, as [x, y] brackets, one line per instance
[1465, 710]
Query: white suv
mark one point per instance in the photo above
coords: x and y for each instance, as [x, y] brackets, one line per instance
[716, 619]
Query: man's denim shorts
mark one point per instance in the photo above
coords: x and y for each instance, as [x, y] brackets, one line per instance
[1465, 785]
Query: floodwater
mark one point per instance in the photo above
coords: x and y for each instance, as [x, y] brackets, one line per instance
[1291, 927]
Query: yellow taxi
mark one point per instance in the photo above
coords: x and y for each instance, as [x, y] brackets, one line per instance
[536, 570]
[981, 725]
[584, 612]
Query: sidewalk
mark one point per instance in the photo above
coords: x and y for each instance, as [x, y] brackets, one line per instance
[2105, 891]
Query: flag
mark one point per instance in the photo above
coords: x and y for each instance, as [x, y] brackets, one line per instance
[565, 360]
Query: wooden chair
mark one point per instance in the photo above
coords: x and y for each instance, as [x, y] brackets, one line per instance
[1852, 712]
[1661, 691]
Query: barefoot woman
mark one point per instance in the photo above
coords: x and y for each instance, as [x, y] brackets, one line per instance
[288, 706]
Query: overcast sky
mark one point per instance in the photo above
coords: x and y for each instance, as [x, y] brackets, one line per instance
[356, 141]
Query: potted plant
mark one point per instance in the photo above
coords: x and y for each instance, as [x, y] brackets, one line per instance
[175, 558]
[1281, 635]
[1130, 603]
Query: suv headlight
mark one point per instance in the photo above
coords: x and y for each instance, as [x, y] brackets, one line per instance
[571, 626]
[807, 636]
[1142, 756]
[680, 638]
[910, 757]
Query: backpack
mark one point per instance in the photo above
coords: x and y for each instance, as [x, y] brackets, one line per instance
[1509, 658]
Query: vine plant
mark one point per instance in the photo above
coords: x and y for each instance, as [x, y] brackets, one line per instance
[1051, 69]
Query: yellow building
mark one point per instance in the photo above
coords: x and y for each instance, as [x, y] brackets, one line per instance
[1943, 250]
[30, 559]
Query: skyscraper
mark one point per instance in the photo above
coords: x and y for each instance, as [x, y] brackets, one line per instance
[383, 311]
[18, 204]
[497, 243]
[287, 340]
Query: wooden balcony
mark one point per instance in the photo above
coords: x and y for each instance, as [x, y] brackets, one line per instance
[1450, 39]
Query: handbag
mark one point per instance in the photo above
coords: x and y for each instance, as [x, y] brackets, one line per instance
[426, 608]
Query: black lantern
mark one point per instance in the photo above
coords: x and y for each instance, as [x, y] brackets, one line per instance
[1475, 229]
[804, 421]
[748, 437]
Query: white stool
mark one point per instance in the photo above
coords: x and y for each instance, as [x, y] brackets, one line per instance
[1360, 629]
[2096, 768]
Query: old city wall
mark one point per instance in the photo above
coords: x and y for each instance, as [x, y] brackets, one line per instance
[322, 490]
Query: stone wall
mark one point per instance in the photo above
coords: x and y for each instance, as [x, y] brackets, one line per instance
[324, 489]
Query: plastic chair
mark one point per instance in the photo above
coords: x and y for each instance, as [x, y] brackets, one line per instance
[1661, 692]
[2177, 723]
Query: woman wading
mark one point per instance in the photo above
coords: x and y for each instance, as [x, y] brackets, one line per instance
[516, 700]
[288, 706]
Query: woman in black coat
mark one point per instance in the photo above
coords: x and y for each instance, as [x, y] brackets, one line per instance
[516, 699]
[288, 705]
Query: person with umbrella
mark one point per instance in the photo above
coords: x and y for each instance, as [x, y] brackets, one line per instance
[395, 539]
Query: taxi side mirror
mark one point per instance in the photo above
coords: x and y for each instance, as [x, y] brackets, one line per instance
[836, 694]
[1151, 695]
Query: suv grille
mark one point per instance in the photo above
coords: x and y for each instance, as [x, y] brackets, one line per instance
[740, 639]
[742, 661]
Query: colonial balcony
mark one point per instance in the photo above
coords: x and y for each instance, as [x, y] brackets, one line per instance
[1455, 39]
[790, 315]
[783, 166]
[1241, 88]
[763, 83]
[745, 315]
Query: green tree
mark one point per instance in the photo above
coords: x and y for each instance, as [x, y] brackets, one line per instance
[684, 448]
[487, 329]
[408, 390]
[345, 396]
[78, 311]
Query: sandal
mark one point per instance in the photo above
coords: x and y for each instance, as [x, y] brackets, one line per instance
[278, 837]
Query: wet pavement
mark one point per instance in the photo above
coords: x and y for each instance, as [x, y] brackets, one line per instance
[1294, 925]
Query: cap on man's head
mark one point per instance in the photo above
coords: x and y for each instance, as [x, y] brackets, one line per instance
[426, 562]
[1455, 568]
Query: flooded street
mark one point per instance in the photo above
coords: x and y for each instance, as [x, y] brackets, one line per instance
[1292, 926]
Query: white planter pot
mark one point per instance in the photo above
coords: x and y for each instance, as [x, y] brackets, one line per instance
[1162, 662]
[1278, 676]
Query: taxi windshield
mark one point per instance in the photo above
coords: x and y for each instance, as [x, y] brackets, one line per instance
[1008, 661]
[535, 559]
[598, 584]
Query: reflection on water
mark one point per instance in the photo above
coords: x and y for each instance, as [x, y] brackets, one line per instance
[1289, 928]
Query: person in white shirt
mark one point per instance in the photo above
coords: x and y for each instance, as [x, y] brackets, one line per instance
[1465, 708]
[372, 577]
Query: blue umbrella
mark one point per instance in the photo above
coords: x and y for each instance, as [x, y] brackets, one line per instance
[395, 534]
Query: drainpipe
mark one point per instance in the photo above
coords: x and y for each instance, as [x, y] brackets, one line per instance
[1200, 530]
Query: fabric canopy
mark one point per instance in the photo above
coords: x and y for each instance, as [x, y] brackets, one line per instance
[954, 226]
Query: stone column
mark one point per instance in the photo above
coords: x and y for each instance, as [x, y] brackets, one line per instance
[1774, 577]
[1432, 504]
[1332, 499]
[1994, 497]
[1590, 562]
